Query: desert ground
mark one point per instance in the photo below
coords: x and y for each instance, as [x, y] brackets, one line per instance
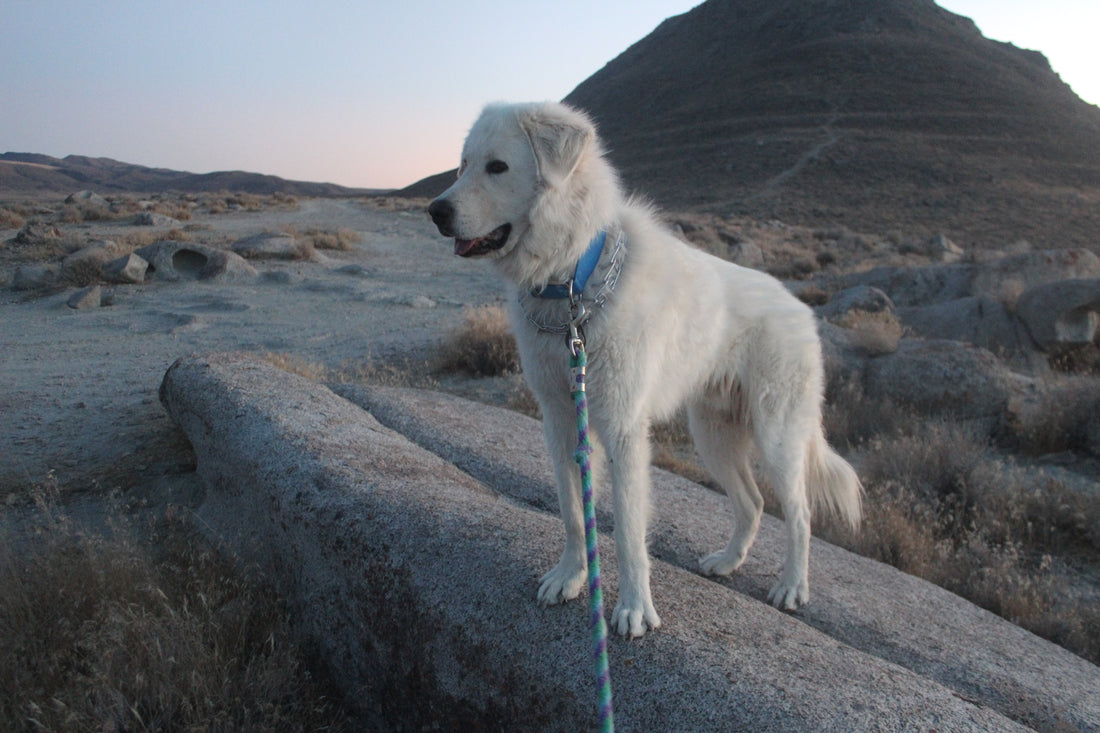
[80, 386]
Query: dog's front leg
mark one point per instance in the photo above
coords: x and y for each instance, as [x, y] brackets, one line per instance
[565, 581]
[629, 453]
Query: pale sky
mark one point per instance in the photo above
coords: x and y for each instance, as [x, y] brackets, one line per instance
[357, 92]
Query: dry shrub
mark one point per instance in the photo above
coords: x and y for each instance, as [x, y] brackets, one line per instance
[521, 399]
[852, 418]
[97, 633]
[343, 239]
[813, 296]
[311, 370]
[940, 505]
[397, 203]
[1063, 415]
[83, 272]
[483, 346]
[10, 219]
[874, 333]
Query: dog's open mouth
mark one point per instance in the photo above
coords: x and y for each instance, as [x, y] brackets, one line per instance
[494, 240]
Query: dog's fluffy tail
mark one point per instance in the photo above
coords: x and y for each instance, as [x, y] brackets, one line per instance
[832, 484]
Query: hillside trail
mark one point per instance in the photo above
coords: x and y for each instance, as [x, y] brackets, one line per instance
[813, 154]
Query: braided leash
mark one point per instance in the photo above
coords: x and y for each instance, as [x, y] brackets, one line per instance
[577, 365]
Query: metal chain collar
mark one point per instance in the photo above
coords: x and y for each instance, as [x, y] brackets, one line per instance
[578, 311]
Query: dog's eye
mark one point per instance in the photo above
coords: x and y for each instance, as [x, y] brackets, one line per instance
[496, 166]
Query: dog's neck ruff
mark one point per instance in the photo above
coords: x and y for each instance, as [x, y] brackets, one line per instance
[571, 290]
[585, 267]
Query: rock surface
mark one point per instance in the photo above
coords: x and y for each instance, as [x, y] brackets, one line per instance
[127, 270]
[270, 247]
[945, 378]
[33, 277]
[89, 297]
[415, 570]
[1065, 312]
[172, 260]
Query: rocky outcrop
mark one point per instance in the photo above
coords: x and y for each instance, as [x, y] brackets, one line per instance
[172, 260]
[945, 378]
[410, 554]
[1025, 308]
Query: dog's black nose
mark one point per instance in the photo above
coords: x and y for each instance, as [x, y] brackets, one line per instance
[443, 214]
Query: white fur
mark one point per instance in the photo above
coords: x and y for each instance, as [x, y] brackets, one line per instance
[681, 327]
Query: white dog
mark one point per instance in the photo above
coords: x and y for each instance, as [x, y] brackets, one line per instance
[668, 325]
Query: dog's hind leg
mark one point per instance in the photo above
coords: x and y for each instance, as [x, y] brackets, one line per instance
[784, 459]
[724, 444]
[565, 581]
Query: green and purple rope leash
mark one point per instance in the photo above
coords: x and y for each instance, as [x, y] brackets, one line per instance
[577, 365]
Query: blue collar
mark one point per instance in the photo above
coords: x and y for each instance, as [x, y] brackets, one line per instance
[585, 267]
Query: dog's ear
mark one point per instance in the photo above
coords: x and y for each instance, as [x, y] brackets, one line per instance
[558, 142]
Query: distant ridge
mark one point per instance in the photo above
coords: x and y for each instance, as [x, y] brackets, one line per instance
[874, 114]
[33, 173]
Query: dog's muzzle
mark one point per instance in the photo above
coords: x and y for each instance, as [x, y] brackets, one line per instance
[443, 216]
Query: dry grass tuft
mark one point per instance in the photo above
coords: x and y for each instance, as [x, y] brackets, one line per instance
[342, 240]
[97, 633]
[483, 346]
[10, 219]
[311, 370]
[874, 333]
[1063, 416]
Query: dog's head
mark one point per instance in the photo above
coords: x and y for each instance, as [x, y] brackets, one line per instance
[513, 156]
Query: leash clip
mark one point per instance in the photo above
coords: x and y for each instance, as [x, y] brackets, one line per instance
[580, 316]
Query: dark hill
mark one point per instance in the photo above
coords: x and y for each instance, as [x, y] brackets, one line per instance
[876, 114]
[29, 172]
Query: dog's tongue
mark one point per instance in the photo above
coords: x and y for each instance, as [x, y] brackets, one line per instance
[463, 247]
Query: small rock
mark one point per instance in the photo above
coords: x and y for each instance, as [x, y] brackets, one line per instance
[416, 301]
[89, 297]
[271, 247]
[355, 270]
[943, 249]
[279, 277]
[127, 270]
[33, 277]
[153, 219]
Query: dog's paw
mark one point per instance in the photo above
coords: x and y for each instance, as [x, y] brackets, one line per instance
[788, 596]
[721, 563]
[634, 619]
[562, 584]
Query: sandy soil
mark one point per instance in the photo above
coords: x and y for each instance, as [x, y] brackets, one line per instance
[78, 389]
